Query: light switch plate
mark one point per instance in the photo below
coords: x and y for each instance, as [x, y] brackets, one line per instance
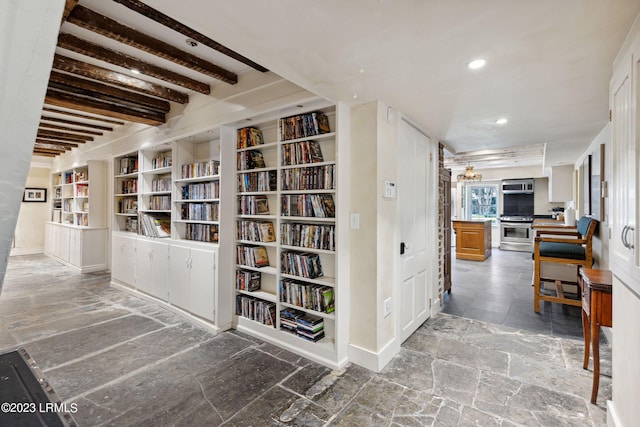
[355, 221]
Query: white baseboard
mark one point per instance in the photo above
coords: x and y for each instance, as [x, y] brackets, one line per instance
[26, 251]
[612, 416]
[372, 360]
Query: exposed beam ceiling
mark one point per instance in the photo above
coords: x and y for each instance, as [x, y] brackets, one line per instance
[119, 63]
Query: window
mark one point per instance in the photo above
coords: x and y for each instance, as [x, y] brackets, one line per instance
[481, 201]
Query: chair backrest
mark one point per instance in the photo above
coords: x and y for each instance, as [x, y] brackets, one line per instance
[587, 226]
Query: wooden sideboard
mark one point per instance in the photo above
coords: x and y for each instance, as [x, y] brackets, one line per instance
[473, 239]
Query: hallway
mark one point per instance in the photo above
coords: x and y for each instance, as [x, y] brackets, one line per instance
[126, 362]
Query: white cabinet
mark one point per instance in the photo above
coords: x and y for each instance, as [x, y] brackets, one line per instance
[81, 248]
[152, 268]
[123, 259]
[192, 280]
[561, 183]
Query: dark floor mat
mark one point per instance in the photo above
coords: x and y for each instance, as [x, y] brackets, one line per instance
[26, 399]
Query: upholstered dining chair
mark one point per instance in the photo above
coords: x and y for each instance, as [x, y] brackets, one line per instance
[564, 247]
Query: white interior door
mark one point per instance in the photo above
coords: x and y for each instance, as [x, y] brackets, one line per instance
[413, 190]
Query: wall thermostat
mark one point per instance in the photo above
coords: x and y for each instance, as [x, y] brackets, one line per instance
[389, 190]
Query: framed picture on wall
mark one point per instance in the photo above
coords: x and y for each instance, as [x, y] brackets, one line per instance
[586, 186]
[35, 195]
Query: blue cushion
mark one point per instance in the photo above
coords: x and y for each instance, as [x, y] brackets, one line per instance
[562, 250]
[583, 225]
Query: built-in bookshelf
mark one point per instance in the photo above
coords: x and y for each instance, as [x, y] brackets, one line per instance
[76, 234]
[125, 189]
[154, 219]
[286, 251]
[72, 196]
[196, 207]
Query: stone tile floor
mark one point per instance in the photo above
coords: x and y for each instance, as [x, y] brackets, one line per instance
[127, 362]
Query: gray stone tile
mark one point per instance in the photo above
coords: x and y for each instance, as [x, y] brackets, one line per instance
[554, 407]
[305, 378]
[73, 321]
[94, 371]
[336, 390]
[473, 356]
[474, 417]
[455, 382]
[52, 351]
[412, 369]
[252, 372]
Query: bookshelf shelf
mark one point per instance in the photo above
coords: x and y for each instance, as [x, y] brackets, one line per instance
[158, 171]
[266, 296]
[302, 248]
[198, 179]
[314, 312]
[266, 270]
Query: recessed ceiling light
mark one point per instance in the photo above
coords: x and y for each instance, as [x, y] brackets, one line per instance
[477, 63]
[501, 121]
[135, 71]
[191, 43]
[355, 96]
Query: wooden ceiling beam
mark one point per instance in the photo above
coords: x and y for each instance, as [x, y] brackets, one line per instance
[40, 153]
[82, 116]
[64, 136]
[107, 93]
[73, 66]
[44, 125]
[92, 21]
[56, 142]
[88, 105]
[74, 123]
[84, 47]
[59, 148]
[169, 22]
[68, 7]
[47, 150]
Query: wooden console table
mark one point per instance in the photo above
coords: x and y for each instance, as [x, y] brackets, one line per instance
[596, 311]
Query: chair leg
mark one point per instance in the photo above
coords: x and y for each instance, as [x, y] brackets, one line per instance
[536, 285]
[559, 290]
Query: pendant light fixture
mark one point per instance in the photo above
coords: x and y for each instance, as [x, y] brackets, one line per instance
[469, 175]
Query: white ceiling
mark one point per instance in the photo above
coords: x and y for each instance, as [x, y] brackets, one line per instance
[548, 61]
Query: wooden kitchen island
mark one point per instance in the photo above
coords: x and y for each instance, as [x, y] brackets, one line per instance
[473, 239]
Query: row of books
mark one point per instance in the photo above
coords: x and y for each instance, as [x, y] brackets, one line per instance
[67, 177]
[131, 224]
[252, 256]
[256, 309]
[253, 205]
[299, 153]
[161, 160]
[155, 225]
[202, 232]
[311, 178]
[82, 190]
[249, 137]
[199, 211]
[309, 205]
[302, 264]
[82, 175]
[250, 159]
[257, 181]
[128, 165]
[161, 184]
[200, 191]
[255, 231]
[304, 325]
[310, 236]
[159, 203]
[127, 205]
[82, 219]
[57, 192]
[129, 186]
[302, 126]
[309, 296]
[200, 169]
[248, 280]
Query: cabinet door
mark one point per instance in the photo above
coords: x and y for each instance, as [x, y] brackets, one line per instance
[179, 288]
[159, 285]
[123, 259]
[48, 238]
[203, 283]
[75, 247]
[63, 243]
[623, 187]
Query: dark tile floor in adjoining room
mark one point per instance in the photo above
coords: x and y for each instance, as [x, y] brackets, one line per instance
[125, 361]
[499, 291]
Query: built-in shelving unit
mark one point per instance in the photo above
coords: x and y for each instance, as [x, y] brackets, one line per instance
[76, 234]
[285, 241]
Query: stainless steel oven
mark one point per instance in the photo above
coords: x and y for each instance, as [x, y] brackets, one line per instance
[516, 234]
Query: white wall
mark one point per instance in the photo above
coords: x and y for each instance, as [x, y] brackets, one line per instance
[29, 234]
[28, 30]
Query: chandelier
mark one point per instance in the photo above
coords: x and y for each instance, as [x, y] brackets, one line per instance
[469, 175]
